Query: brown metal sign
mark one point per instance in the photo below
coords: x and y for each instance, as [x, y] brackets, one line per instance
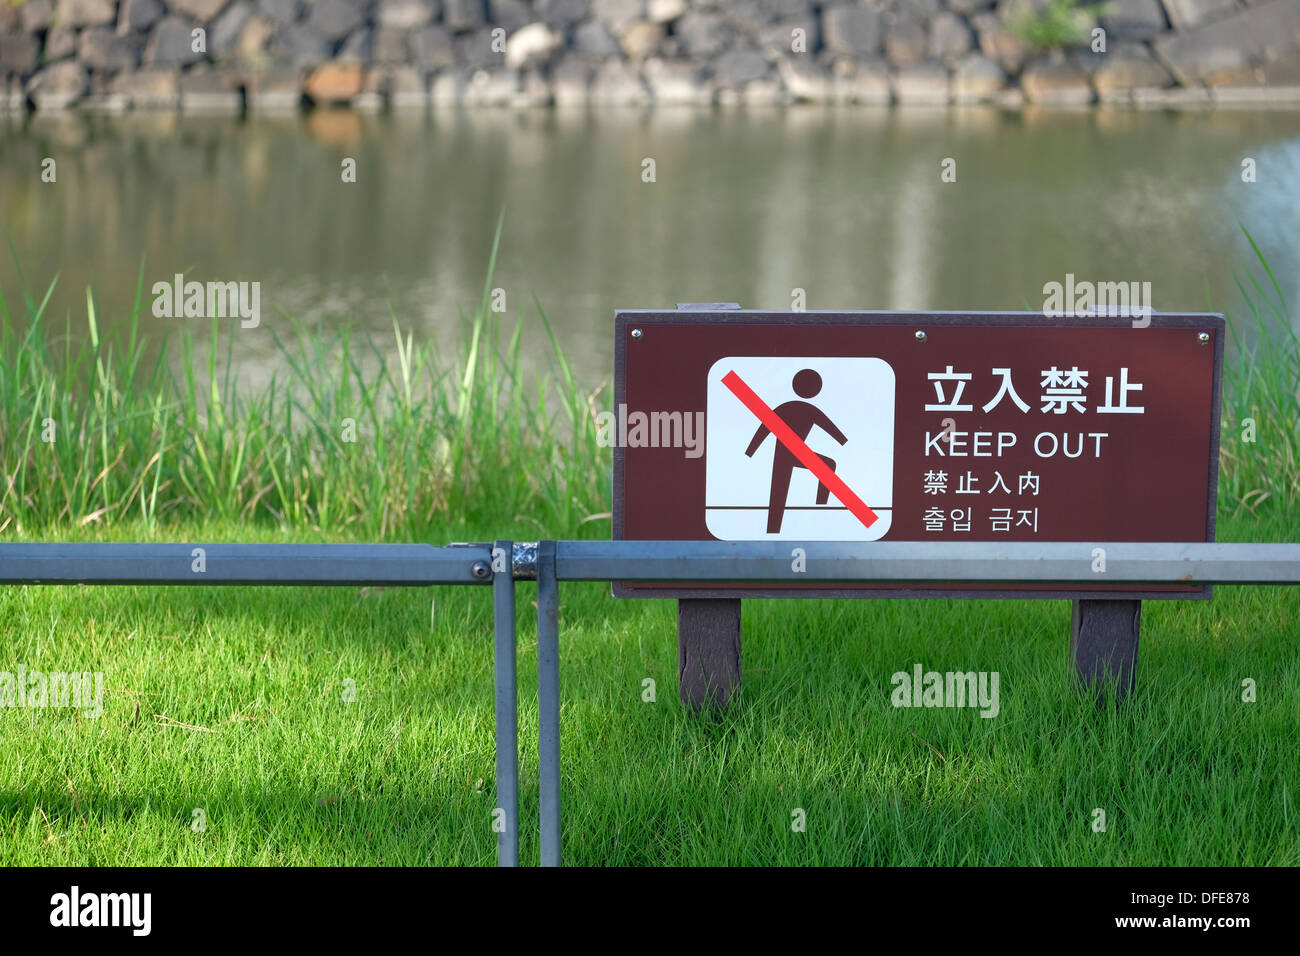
[928, 426]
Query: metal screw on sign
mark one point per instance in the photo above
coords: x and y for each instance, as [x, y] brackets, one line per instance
[636, 333]
[1203, 338]
[481, 570]
[920, 336]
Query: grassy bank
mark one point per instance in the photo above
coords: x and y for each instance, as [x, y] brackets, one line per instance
[396, 439]
[392, 439]
[234, 702]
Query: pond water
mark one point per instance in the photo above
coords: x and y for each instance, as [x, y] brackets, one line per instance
[848, 205]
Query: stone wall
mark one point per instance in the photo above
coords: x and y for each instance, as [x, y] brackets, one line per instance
[261, 55]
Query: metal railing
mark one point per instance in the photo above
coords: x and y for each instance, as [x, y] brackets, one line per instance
[549, 562]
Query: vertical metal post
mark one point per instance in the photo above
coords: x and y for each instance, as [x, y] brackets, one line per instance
[548, 700]
[507, 697]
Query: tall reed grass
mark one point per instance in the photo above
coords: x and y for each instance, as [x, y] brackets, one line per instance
[1259, 445]
[94, 433]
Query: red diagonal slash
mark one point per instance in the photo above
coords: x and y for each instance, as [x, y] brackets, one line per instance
[806, 456]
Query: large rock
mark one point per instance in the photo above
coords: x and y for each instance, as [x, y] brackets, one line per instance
[1278, 83]
[431, 48]
[1133, 19]
[492, 88]
[477, 51]
[36, 15]
[642, 40]
[533, 44]
[1129, 66]
[374, 92]
[464, 14]
[535, 89]
[12, 97]
[665, 11]
[997, 44]
[764, 92]
[925, 84]
[571, 82]
[509, 15]
[100, 48]
[359, 47]
[200, 10]
[906, 41]
[277, 90]
[1282, 73]
[618, 84]
[976, 78]
[334, 19]
[950, 37]
[851, 29]
[137, 16]
[406, 14]
[752, 15]
[85, 13]
[205, 90]
[863, 82]
[19, 53]
[59, 86]
[60, 43]
[408, 88]
[149, 89]
[593, 39]
[805, 79]
[447, 88]
[334, 82]
[101, 99]
[563, 14]
[253, 38]
[301, 45]
[1256, 35]
[1055, 83]
[703, 35]
[391, 46]
[1010, 11]
[224, 34]
[676, 82]
[740, 66]
[171, 43]
[1185, 14]
[618, 15]
[283, 12]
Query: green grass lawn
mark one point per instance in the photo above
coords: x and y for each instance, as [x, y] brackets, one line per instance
[232, 700]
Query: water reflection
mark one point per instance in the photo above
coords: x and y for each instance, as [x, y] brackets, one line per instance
[847, 204]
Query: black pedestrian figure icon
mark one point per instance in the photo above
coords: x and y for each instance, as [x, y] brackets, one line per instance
[801, 417]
